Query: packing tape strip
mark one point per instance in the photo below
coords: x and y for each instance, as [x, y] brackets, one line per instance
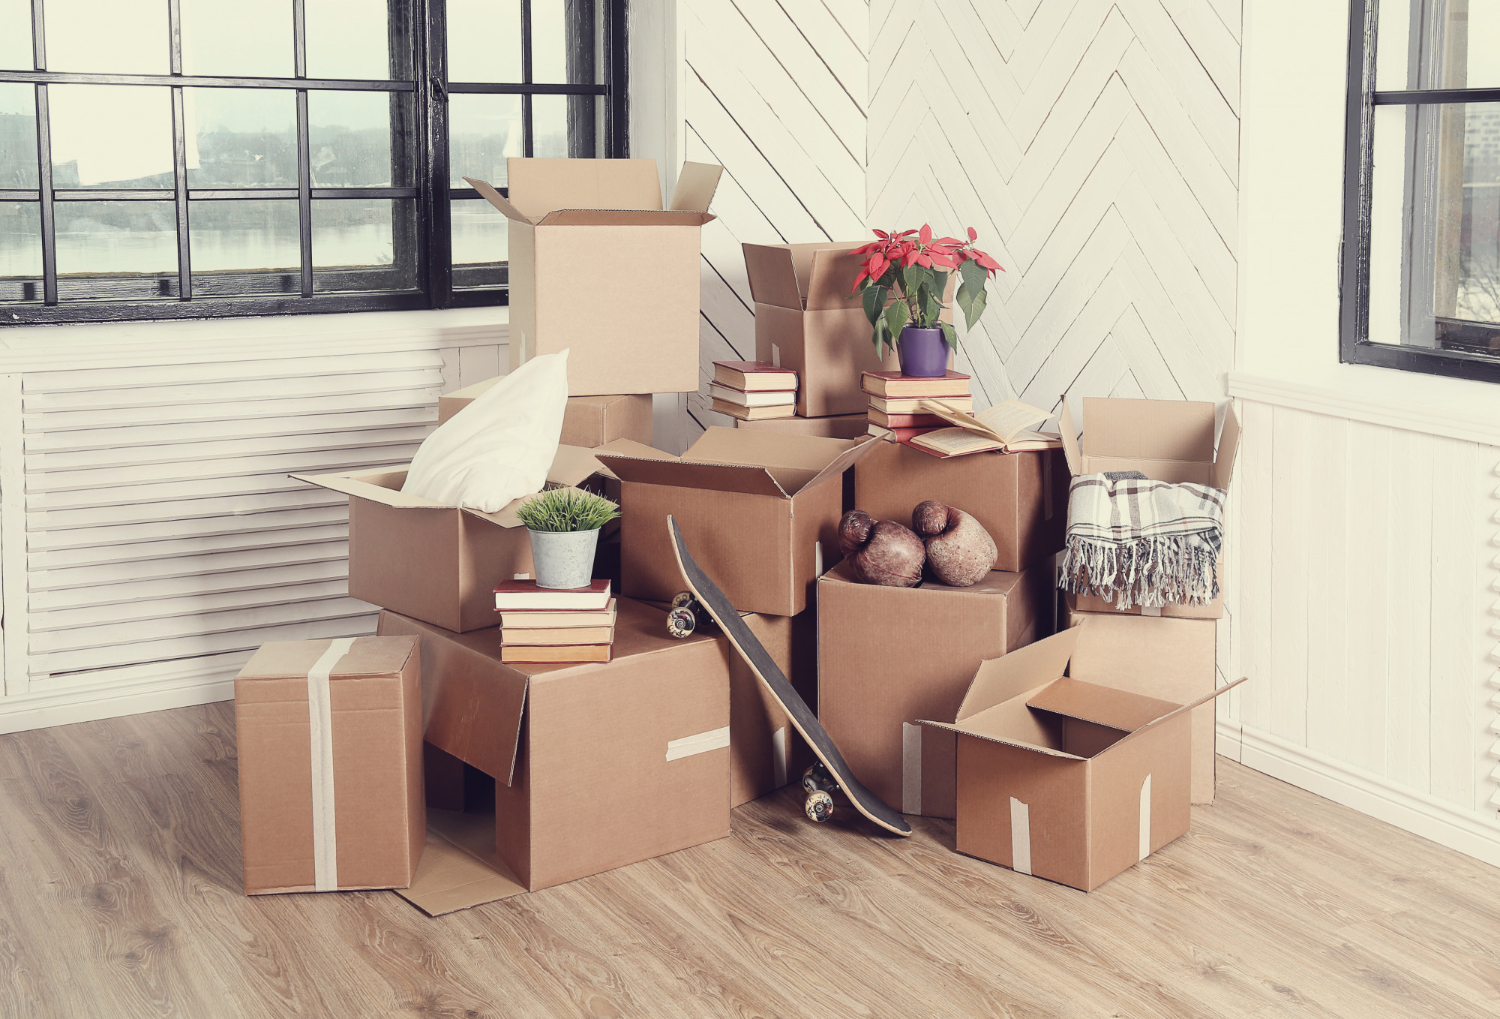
[781, 744]
[1145, 825]
[702, 743]
[320, 739]
[1020, 837]
[911, 768]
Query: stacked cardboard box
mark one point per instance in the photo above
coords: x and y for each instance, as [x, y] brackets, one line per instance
[896, 401]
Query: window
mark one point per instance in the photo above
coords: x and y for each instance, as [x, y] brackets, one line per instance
[1421, 263]
[196, 158]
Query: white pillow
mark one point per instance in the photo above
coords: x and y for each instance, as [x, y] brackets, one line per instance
[499, 447]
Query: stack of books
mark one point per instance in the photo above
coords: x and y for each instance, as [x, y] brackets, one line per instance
[753, 390]
[538, 625]
[896, 401]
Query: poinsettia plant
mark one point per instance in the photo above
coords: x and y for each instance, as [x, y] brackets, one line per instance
[913, 267]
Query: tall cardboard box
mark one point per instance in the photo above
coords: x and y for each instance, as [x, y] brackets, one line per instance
[806, 320]
[888, 656]
[589, 421]
[1020, 498]
[436, 563]
[837, 426]
[1170, 659]
[596, 765]
[329, 736]
[759, 511]
[631, 332]
[1061, 777]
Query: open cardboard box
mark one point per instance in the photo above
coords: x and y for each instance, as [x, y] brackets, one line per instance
[437, 563]
[596, 765]
[758, 510]
[632, 332]
[837, 426]
[1166, 440]
[1063, 778]
[588, 421]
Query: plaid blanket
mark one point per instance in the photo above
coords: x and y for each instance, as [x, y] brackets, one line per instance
[1135, 541]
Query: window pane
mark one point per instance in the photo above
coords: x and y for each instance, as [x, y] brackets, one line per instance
[482, 132]
[116, 238]
[479, 233]
[1435, 227]
[20, 248]
[18, 167]
[244, 235]
[564, 41]
[111, 136]
[563, 126]
[235, 39]
[241, 137]
[348, 39]
[352, 237]
[1438, 44]
[15, 35]
[484, 40]
[116, 36]
[351, 134]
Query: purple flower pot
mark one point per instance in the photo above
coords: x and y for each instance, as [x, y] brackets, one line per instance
[923, 352]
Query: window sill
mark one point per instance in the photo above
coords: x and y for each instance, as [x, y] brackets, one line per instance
[1431, 404]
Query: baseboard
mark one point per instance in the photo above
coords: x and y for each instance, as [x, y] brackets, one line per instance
[64, 707]
[1471, 832]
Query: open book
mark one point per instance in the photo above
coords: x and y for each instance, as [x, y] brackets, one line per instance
[1009, 426]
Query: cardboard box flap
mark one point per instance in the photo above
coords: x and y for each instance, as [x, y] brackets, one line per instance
[1178, 709]
[540, 186]
[1229, 447]
[1181, 430]
[495, 198]
[631, 448]
[508, 515]
[293, 659]
[750, 448]
[1001, 679]
[573, 465]
[843, 461]
[623, 217]
[832, 274]
[376, 486]
[1069, 432]
[718, 477]
[696, 184]
[995, 737]
[1103, 705]
[773, 277]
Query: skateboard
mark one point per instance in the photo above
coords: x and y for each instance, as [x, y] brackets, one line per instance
[832, 773]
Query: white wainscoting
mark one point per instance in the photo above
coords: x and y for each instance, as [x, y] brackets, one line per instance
[1366, 570]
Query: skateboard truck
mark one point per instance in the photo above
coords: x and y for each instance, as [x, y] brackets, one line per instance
[687, 616]
[820, 786]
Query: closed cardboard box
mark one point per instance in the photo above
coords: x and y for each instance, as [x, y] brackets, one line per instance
[1020, 498]
[759, 510]
[888, 656]
[329, 737]
[589, 421]
[437, 563]
[1162, 657]
[806, 320]
[1166, 440]
[1064, 778]
[838, 426]
[572, 219]
[595, 765]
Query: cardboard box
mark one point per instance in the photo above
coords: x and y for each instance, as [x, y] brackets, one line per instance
[632, 332]
[1064, 778]
[1166, 440]
[837, 426]
[765, 751]
[589, 421]
[1169, 659]
[888, 656]
[436, 563]
[329, 736]
[595, 765]
[1020, 498]
[759, 511]
[805, 320]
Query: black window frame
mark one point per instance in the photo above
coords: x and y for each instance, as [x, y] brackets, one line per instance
[418, 33]
[1359, 164]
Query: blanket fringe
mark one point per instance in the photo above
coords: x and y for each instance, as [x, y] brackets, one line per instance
[1150, 572]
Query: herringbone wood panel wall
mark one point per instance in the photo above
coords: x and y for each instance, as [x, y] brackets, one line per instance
[1093, 143]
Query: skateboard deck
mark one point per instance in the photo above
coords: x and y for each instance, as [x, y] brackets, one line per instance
[772, 678]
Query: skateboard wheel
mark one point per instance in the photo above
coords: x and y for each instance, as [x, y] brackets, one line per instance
[681, 622]
[819, 806]
[682, 599]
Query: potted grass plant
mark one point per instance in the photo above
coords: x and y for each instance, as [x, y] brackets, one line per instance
[564, 526]
[902, 282]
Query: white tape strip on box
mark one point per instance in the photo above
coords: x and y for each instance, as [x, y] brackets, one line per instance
[781, 746]
[320, 739]
[702, 743]
[1020, 837]
[1145, 825]
[911, 768]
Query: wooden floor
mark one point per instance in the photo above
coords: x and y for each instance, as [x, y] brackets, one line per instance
[120, 898]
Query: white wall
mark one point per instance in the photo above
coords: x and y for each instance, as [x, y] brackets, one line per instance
[1367, 497]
